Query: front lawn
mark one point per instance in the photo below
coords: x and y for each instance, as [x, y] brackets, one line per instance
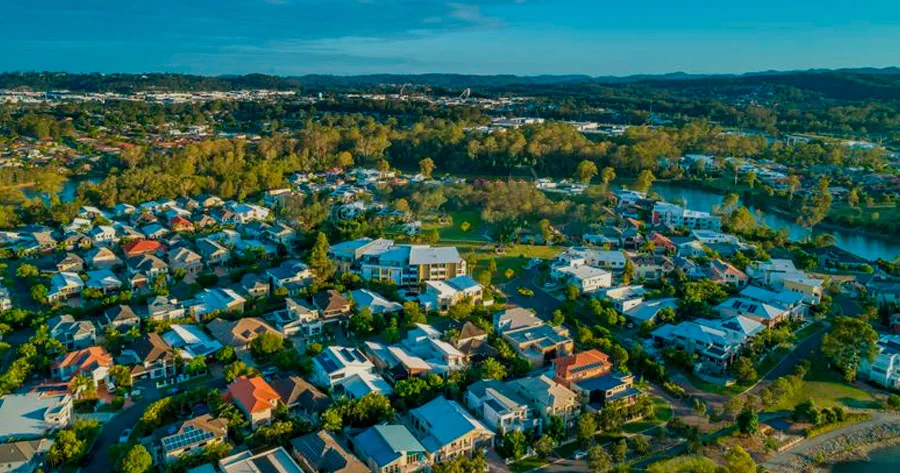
[526, 464]
[826, 388]
[662, 413]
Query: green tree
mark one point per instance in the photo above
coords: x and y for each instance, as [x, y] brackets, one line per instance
[619, 451]
[426, 167]
[137, 460]
[27, 271]
[816, 207]
[598, 460]
[361, 323]
[744, 370]
[544, 446]
[737, 460]
[585, 171]
[644, 181]
[413, 313]
[640, 444]
[491, 369]
[751, 177]
[748, 421]
[121, 376]
[265, 345]
[513, 445]
[850, 342]
[607, 175]
[793, 185]
[585, 429]
[319, 261]
[572, 292]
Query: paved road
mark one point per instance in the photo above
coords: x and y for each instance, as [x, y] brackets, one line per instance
[126, 419]
[542, 302]
[564, 465]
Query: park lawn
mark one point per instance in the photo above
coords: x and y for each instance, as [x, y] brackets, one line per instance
[827, 389]
[513, 257]
[454, 232]
[527, 464]
[662, 413]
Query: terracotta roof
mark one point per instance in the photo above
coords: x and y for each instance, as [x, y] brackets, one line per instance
[85, 360]
[569, 366]
[254, 394]
[140, 247]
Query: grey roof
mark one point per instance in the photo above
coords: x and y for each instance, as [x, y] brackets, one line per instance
[324, 453]
[432, 255]
[23, 414]
[446, 421]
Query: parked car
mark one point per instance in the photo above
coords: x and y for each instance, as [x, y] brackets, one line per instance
[579, 455]
[125, 436]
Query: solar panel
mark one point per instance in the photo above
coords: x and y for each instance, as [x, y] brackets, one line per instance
[190, 436]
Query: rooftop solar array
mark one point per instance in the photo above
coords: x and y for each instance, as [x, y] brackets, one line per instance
[190, 436]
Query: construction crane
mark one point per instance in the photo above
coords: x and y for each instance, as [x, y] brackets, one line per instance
[465, 94]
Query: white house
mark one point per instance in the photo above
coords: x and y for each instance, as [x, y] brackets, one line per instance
[587, 278]
[884, 370]
[623, 298]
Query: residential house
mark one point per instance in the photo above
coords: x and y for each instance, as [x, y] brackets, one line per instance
[33, 415]
[884, 370]
[102, 235]
[597, 392]
[321, 451]
[102, 258]
[282, 234]
[301, 397]
[673, 215]
[153, 357]
[161, 309]
[390, 449]
[254, 286]
[539, 344]
[441, 295]
[376, 303]
[812, 289]
[297, 317]
[69, 262]
[148, 264]
[142, 247]
[579, 256]
[762, 312]
[548, 397]
[834, 257]
[121, 317]
[74, 335]
[92, 362]
[255, 398]
[180, 224]
[473, 343]
[447, 431]
[580, 366]
[770, 273]
[651, 267]
[721, 272]
[64, 285]
[586, 278]
[348, 369]
[191, 341]
[214, 300]
[292, 275]
[501, 407]
[213, 252]
[239, 333]
[331, 304]
[186, 260]
[515, 318]
[623, 298]
[269, 461]
[716, 342]
[25, 456]
[103, 280]
[188, 438]
[649, 311]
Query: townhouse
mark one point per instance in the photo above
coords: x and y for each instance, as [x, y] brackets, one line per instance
[447, 431]
[501, 407]
[390, 449]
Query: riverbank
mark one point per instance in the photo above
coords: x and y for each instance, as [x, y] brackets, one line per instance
[854, 442]
[768, 204]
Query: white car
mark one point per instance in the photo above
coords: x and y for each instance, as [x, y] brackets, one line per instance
[126, 435]
[549, 284]
[579, 454]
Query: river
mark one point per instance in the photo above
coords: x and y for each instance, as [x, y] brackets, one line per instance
[69, 188]
[884, 460]
[857, 243]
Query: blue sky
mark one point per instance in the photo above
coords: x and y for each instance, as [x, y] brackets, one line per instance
[597, 37]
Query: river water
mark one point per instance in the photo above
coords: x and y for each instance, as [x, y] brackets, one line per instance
[856, 243]
[886, 460]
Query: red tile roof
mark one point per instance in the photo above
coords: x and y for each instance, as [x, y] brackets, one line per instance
[140, 247]
[584, 365]
[85, 360]
[254, 394]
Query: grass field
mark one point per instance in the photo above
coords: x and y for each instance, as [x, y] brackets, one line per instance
[513, 257]
[454, 232]
[526, 464]
[662, 413]
[827, 389]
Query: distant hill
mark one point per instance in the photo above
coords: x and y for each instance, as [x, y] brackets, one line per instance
[840, 84]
